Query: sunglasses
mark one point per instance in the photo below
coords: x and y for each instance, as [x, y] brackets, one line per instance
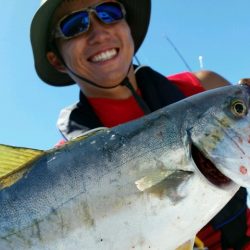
[78, 22]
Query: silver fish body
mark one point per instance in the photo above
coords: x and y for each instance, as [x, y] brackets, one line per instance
[135, 186]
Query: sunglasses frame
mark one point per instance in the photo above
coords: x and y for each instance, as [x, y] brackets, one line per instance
[57, 32]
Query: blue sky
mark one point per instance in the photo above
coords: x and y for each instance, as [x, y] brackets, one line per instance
[219, 31]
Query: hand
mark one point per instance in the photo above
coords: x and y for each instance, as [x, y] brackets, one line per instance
[245, 81]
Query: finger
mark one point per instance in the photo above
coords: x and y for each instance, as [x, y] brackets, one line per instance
[245, 81]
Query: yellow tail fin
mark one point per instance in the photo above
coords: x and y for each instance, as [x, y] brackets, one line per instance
[14, 162]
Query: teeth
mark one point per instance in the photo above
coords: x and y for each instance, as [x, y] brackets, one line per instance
[104, 56]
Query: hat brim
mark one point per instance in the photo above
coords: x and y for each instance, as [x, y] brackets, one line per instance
[138, 17]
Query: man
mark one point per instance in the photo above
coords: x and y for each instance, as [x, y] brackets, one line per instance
[92, 43]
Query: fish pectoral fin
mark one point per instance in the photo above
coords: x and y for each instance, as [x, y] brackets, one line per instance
[189, 245]
[152, 179]
[14, 162]
[165, 183]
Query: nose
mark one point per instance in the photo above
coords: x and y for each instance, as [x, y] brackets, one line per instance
[98, 31]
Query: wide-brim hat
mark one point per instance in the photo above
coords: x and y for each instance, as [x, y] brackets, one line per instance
[138, 16]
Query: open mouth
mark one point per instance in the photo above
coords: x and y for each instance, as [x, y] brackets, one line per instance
[208, 169]
[104, 56]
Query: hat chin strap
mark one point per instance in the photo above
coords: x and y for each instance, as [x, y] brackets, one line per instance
[59, 55]
[95, 84]
[125, 82]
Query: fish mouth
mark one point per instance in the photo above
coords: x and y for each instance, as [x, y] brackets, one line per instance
[208, 169]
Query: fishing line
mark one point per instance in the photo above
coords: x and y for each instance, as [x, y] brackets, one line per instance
[137, 60]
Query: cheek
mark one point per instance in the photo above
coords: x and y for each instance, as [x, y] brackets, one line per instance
[71, 50]
[132, 46]
[128, 39]
[68, 47]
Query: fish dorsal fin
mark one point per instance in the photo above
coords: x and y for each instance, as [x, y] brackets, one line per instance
[14, 162]
[89, 133]
[85, 135]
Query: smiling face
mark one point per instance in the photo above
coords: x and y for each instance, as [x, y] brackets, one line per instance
[103, 54]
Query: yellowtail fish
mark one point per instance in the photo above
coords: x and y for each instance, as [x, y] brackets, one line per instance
[148, 184]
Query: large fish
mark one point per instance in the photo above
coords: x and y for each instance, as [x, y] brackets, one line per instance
[149, 184]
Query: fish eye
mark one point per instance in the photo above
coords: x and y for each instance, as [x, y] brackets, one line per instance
[238, 108]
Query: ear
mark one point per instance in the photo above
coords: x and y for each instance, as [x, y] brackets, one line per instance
[55, 62]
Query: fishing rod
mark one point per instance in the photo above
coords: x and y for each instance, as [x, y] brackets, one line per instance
[178, 52]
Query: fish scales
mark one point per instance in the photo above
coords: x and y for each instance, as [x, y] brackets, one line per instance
[134, 186]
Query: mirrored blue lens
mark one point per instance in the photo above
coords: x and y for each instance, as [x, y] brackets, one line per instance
[78, 22]
[109, 12]
[74, 24]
